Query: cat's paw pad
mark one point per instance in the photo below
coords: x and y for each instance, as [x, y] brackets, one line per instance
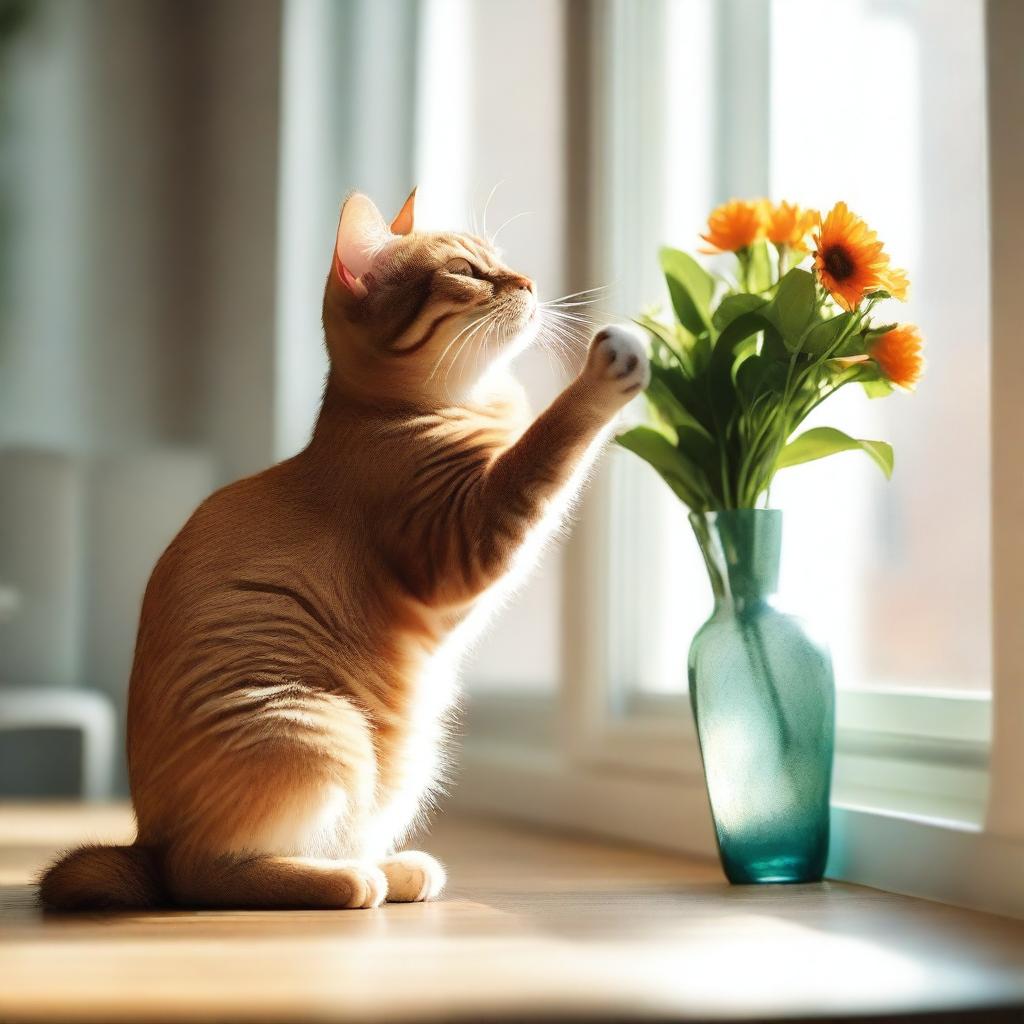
[618, 361]
[413, 877]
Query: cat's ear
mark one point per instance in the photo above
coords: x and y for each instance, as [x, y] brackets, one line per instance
[403, 223]
[348, 279]
[362, 233]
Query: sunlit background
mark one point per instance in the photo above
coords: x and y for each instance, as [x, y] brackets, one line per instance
[170, 179]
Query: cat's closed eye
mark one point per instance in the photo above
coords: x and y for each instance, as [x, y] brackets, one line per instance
[460, 267]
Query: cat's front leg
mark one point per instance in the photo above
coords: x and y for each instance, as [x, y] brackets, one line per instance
[449, 551]
[526, 477]
[413, 877]
[544, 459]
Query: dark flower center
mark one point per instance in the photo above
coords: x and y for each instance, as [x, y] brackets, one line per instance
[838, 263]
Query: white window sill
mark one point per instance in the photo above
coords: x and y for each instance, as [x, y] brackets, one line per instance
[908, 802]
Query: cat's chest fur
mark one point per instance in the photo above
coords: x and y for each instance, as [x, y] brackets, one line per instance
[436, 636]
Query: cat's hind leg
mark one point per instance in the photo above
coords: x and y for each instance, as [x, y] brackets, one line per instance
[276, 883]
[413, 877]
[268, 808]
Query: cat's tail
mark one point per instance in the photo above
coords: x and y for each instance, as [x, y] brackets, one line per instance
[102, 878]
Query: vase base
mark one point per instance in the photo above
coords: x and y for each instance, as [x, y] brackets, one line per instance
[775, 879]
[774, 871]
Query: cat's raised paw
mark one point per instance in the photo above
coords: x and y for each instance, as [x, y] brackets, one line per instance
[413, 877]
[618, 363]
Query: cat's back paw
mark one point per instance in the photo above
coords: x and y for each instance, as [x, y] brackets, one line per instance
[413, 877]
[369, 886]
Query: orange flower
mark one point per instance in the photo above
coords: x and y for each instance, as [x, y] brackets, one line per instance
[896, 283]
[898, 355]
[789, 224]
[851, 262]
[735, 225]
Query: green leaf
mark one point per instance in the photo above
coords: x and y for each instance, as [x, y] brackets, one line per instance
[774, 347]
[821, 442]
[670, 463]
[730, 340]
[733, 306]
[759, 375]
[823, 336]
[690, 394]
[665, 340]
[721, 386]
[793, 306]
[670, 407]
[759, 268]
[745, 350]
[877, 388]
[874, 332]
[691, 288]
[684, 388]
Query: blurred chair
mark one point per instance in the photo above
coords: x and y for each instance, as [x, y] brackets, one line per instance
[41, 501]
[78, 539]
[89, 713]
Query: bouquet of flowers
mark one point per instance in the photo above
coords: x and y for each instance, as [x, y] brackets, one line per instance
[746, 359]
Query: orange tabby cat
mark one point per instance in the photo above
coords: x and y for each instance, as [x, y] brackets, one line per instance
[299, 637]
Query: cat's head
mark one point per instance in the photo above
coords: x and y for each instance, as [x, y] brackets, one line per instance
[420, 315]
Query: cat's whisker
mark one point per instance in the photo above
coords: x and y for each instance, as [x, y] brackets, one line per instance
[569, 305]
[576, 295]
[578, 330]
[447, 347]
[471, 328]
[487, 204]
[580, 308]
[453, 362]
[505, 224]
[465, 341]
[581, 321]
[553, 339]
[573, 327]
[502, 319]
[563, 359]
[567, 342]
[544, 340]
[576, 315]
[483, 345]
[578, 322]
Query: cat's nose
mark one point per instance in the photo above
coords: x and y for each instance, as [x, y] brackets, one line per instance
[518, 281]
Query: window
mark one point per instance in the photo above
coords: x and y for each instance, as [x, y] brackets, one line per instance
[906, 148]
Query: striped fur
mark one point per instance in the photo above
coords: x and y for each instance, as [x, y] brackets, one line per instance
[299, 639]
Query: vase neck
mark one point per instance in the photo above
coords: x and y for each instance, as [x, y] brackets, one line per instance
[741, 549]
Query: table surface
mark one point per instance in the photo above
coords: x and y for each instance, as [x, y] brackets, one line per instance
[534, 926]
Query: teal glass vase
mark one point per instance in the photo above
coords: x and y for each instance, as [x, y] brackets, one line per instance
[763, 699]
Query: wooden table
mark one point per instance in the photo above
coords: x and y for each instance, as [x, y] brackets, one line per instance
[535, 926]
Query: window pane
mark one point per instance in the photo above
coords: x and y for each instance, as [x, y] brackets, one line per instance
[863, 108]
